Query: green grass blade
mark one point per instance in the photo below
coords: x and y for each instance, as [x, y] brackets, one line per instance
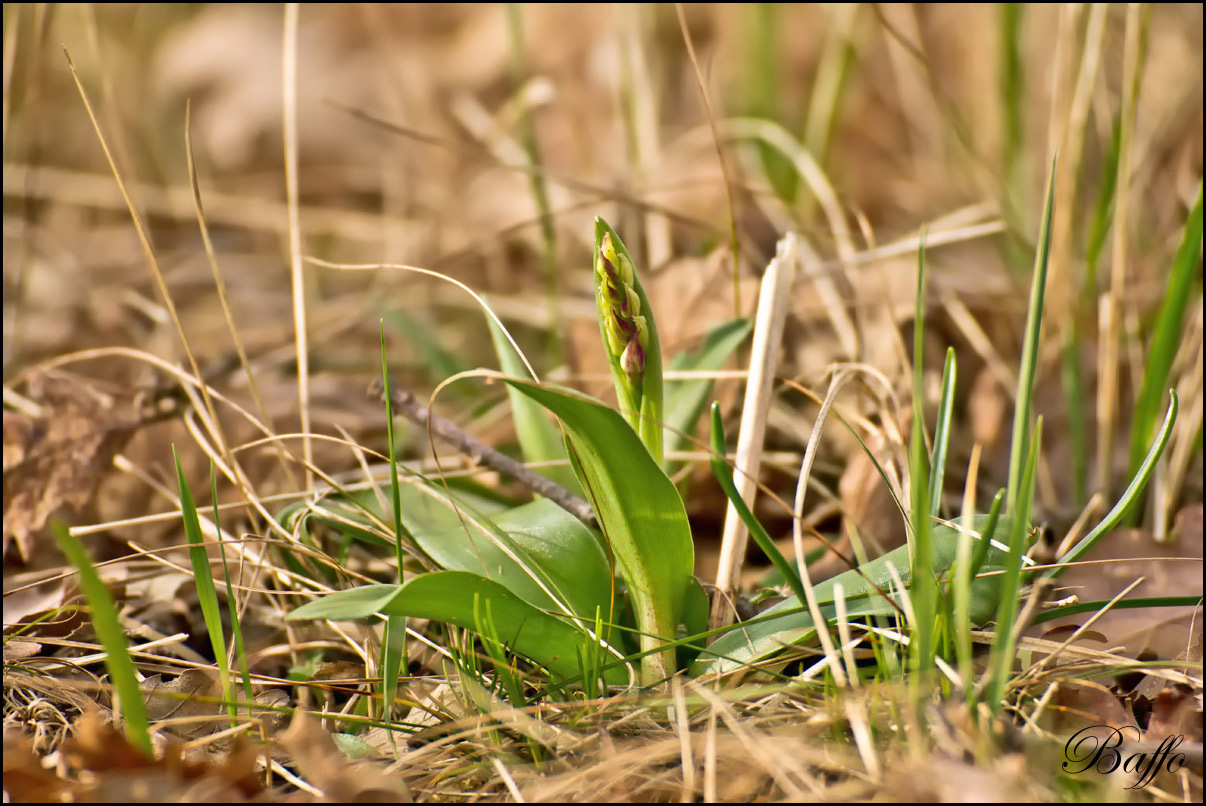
[1166, 334]
[113, 638]
[1123, 604]
[942, 433]
[1074, 396]
[393, 461]
[1128, 498]
[236, 629]
[761, 90]
[1030, 351]
[203, 578]
[1099, 228]
[1013, 98]
[1005, 639]
[394, 644]
[724, 476]
[924, 586]
[968, 563]
[540, 191]
[393, 661]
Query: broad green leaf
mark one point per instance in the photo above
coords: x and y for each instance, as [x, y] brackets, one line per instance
[349, 512]
[639, 511]
[449, 597]
[789, 621]
[538, 551]
[541, 553]
[685, 400]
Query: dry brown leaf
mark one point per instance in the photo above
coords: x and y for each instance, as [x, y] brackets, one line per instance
[1173, 569]
[27, 781]
[56, 459]
[119, 773]
[182, 697]
[1175, 712]
[322, 764]
[1079, 704]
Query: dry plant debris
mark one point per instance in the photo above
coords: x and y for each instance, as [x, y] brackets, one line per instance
[480, 140]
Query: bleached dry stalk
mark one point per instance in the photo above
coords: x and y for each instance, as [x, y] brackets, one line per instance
[773, 300]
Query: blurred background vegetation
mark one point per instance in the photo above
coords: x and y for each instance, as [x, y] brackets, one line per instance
[480, 140]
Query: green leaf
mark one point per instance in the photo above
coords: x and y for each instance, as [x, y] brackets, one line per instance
[113, 638]
[789, 621]
[685, 400]
[724, 477]
[448, 597]
[639, 511]
[1167, 333]
[203, 579]
[538, 551]
[1028, 367]
[1128, 498]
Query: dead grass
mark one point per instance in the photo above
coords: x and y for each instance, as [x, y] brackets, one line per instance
[408, 149]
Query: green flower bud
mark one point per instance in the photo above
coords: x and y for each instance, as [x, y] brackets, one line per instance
[629, 336]
[632, 360]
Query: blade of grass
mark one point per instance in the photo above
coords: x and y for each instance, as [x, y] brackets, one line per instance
[203, 579]
[1074, 395]
[112, 637]
[1030, 351]
[1005, 638]
[924, 588]
[1125, 604]
[968, 562]
[761, 91]
[942, 432]
[1013, 95]
[724, 476]
[1129, 497]
[686, 400]
[393, 645]
[236, 630]
[1166, 334]
[1099, 226]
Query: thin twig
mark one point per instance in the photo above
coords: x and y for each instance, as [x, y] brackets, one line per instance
[404, 403]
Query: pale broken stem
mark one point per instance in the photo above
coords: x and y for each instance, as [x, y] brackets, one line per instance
[773, 299]
[404, 403]
[296, 272]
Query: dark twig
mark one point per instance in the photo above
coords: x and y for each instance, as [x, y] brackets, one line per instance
[404, 403]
